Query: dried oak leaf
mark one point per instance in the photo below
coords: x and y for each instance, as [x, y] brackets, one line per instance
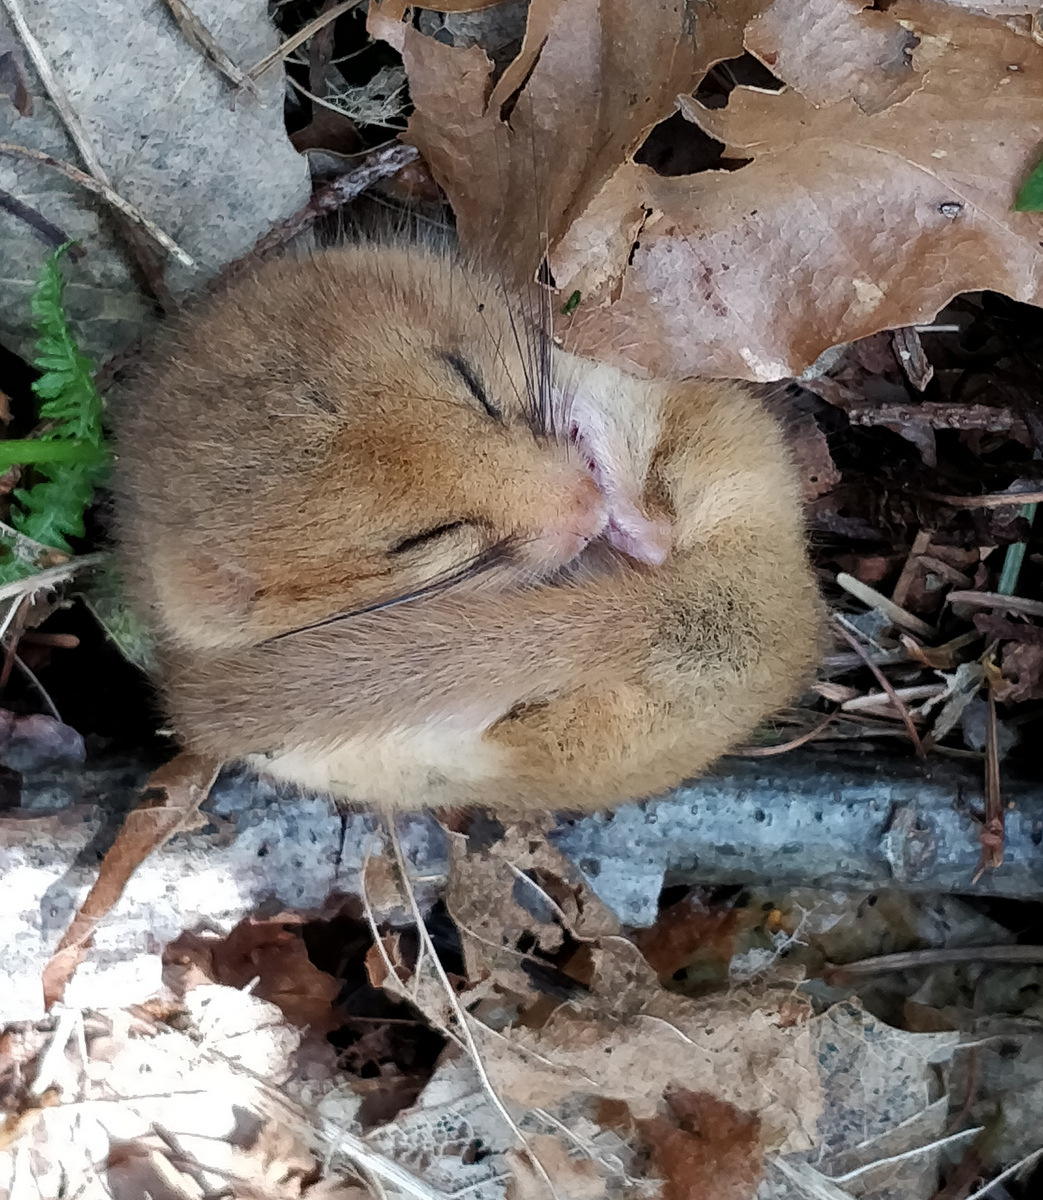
[844, 222]
[633, 1041]
[686, 930]
[270, 953]
[523, 156]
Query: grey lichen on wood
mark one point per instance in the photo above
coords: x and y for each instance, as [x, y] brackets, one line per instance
[804, 822]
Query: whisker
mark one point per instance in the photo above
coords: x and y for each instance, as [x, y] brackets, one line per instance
[481, 565]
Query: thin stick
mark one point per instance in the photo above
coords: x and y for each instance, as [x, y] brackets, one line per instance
[56, 92]
[784, 747]
[920, 545]
[992, 830]
[376, 164]
[49, 577]
[10, 615]
[45, 230]
[460, 1014]
[201, 39]
[40, 689]
[988, 500]
[1022, 604]
[300, 37]
[91, 184]
[894, 612]
[920, 691]
[913, 960]
[885, 683]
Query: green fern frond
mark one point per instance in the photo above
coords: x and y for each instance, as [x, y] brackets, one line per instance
[71, 458]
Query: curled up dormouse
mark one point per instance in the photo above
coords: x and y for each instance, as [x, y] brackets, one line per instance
[399, 547]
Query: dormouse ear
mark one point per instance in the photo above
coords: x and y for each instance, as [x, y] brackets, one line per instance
[207, 601]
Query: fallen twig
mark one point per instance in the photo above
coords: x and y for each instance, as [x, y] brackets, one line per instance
[885, 683]
[375, 165]
[300, 37]
[198, 36]
[56, 92]
[920, 545]
[912, 960]
[893, 612]
[988, 499]
[802, 739]
[45, 230]
[991, 836]
[1022, 604]
[92, 184]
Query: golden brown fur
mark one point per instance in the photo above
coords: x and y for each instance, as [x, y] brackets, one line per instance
[297, 429]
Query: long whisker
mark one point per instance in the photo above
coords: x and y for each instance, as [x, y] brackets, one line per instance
[482, 564]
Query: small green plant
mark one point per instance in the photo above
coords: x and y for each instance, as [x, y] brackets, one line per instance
[571, 304]
[71, 457]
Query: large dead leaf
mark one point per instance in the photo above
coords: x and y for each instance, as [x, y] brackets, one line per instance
[169, 805]
[593, 81]
[876, 185]
[843, 223]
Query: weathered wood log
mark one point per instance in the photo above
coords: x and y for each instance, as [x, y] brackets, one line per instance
[805, 820]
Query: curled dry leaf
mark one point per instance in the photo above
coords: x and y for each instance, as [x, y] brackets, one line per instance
[753, 1053]
[877, 184]
[267, 956]
[169, 805]
[527, 155]
[876, 218]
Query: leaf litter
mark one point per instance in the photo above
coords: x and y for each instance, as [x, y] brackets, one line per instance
[820, 193]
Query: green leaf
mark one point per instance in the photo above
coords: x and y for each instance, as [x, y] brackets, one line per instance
[72, 457]
[571, 304]
[1030, 195]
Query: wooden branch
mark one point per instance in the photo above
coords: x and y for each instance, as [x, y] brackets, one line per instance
[803, 820]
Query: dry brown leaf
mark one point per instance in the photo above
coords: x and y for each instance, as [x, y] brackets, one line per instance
[169, 805]
[273, 953]
[687, 929]
[703, 1149]
[633, 1041]
[1022, 664]
[834, 50]
[844, 222]
[600, 82]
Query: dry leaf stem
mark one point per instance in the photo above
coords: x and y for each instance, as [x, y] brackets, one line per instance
[912, 960]
[200, 38]
[885, 683]
[300, 37]
[91, 184]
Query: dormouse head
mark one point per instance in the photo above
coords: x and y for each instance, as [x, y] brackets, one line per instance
[341, 432]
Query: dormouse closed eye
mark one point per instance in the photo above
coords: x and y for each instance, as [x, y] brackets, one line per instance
[469, 375]
[428, 535]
